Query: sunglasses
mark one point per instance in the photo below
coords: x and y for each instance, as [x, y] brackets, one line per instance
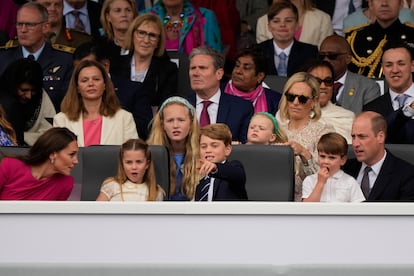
[330, 56]
[302, 99]
[327, 81]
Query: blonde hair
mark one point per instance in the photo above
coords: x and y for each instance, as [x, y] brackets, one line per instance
[149, 176]
[280, 135]
[106, 25]
[72, 103]
[158, 136]
[314, 86]
[138, 21]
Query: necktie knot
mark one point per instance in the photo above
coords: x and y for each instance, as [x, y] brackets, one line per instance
[401, 99]
[204, 187]
[31, 57]
[282, 68]
[78, 24]
[204, 116]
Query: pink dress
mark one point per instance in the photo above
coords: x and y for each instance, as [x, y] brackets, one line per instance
[18, 183]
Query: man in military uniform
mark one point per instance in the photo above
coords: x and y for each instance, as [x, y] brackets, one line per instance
[61, 37]
[32, 26]
[368, 40]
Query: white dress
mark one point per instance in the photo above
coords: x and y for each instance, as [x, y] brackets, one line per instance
[130, 191]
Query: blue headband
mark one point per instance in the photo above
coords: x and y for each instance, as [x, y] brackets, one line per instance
[176, 99]
[271, 117]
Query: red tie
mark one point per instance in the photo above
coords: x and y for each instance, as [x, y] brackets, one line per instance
[204, 117]
[336, 87]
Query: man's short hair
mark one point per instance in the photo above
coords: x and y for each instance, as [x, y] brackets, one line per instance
[218, 58]
[396, 44]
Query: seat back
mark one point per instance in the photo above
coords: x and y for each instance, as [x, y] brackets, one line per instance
[101, 162]
[269, 171]
[276, 83]
[13, 151]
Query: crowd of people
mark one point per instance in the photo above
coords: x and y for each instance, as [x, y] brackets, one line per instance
[83, 72]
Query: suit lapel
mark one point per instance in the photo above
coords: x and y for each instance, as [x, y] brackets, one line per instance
[108, 123]
[223, 110]
[383, 178]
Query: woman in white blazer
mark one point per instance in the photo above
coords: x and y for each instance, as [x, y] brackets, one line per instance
[91, 109]
[314, 24]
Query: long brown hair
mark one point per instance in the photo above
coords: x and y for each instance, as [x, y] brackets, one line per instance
[7, 127]
[72, 104]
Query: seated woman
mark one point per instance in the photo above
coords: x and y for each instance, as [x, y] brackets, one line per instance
[147, 62]
[283, 53]
[91, 109]
[187, 26]
[246, 82]
[27, 106]
[44, 173]
[116, 16]
[175, 126]
[7, 135]
[299, 115]
[338, 117]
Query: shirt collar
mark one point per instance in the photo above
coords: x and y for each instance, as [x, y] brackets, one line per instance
[215, 98]
[36, 54]
[278, 50]
[68, 8]
[409, 91]
[377, 166]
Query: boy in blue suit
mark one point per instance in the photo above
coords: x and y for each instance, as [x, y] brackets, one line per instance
[222, 179]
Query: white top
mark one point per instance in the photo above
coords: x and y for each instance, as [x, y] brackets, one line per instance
[130, 191]
[340, 187]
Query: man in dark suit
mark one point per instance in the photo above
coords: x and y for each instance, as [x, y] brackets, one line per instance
[383, 177]
[285, 55]
[397, 104]
[351, 91]
[32, 26]
[213, 105]
[89, 16]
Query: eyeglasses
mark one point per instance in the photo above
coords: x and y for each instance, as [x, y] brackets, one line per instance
[302, 99]
[151, 36]
[330, 56]
[29, 25]
[326, 81]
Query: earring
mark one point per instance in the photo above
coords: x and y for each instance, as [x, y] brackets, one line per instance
[312, 114]
[52, 160]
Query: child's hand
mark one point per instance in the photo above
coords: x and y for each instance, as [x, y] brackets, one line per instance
[323, 174]
[206, 167]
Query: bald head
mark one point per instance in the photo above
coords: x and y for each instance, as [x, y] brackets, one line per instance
[336, 50]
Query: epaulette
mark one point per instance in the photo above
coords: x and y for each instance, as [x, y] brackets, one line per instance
[356, 28]
[409, 24]
[12, 43]
[63, 48]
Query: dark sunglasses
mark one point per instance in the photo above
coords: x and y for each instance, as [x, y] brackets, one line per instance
[327, 81]
[330, 56]
[291, 98]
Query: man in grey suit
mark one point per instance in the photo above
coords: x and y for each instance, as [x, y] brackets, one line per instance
[353, 91]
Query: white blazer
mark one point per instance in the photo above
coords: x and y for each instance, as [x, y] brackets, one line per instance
[115, 130]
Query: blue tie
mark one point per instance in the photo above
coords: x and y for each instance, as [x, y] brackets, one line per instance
[281, 69]
[204, 187]
[401, 99]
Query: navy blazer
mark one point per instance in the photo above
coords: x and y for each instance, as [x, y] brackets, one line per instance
[229, 182]
[395, 181]
[233, 111]
[299, 54]
[400, 128]
[134, 99]
[57, 69]
[161, 80]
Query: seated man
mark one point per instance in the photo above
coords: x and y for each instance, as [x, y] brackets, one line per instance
[382, 176]
[212, 105]
[397, 104]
